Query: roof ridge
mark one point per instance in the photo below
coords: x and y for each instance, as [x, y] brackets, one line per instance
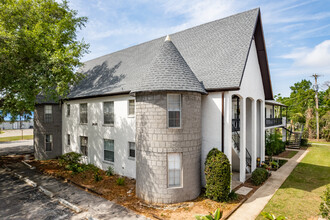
[155, 39]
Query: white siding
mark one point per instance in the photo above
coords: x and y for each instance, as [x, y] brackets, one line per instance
[122, 132]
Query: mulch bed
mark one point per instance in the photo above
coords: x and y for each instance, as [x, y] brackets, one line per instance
[287, 154]
[125, 195]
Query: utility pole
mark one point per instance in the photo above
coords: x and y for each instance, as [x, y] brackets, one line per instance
[316, 88]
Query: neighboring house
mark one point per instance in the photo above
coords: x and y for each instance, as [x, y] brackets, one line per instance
[153, 111]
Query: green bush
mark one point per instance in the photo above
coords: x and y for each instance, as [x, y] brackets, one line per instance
[97, 176]
[217, 175]
[110, 171]
[120, 181]
[217, 215]
[304, 142]
[325, 204]
[69, 158]
[274, 144]
[259, 176]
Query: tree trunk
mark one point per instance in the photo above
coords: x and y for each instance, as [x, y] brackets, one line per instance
[309, 117]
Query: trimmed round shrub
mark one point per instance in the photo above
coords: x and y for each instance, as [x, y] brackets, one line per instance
[217, 175]
[259, 176]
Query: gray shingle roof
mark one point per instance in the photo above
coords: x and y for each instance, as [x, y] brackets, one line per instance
[169, 72]
[216, 53]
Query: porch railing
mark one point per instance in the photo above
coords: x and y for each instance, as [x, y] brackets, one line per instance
[273, 121]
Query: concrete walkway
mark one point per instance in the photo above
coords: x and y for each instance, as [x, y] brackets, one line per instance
[256, 203]
[94, 207]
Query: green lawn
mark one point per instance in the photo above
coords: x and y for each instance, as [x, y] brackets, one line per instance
[16, 138]
[299, 196]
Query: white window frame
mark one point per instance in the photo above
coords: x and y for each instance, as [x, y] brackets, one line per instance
[113, 123]
[109, 161]
[48, 110]
[51, 142]
[129, 149]
[168, 171]
[86, 113]
[168, 118]
[128, 108]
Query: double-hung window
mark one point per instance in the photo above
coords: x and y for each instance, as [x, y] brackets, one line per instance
[68, 110]
[108, 113]
[83, 113]
[49, 142]
[84, 145]
[48, 113]
[131, 107]
[109, 150]
[131, 146]
[174, 110]
[174, 162]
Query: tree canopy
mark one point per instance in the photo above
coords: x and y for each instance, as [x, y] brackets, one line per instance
[39, 52]
[301, 107]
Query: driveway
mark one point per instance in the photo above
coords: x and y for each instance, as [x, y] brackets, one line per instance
[21, 201]
[16, 147]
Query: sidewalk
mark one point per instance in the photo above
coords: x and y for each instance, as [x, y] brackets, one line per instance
[16, 147]
[94, 207]
[256, 203]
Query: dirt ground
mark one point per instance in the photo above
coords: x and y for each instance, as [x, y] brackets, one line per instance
[125, 195]
[287, 154]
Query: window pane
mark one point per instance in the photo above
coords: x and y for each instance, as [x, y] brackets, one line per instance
[174, 169]
[174, 118]
[131, 107]
[69, 141]
[83, 113]
[109, 150]
[84, 145]
[131, 149]
[48, 109]
[174, 110]
[108, 112]
[48, 146]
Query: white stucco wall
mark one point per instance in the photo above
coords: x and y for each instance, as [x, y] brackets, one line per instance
[211, 125]
[251, 87]
[122, 132]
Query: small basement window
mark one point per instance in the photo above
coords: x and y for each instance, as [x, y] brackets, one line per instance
[68, 110]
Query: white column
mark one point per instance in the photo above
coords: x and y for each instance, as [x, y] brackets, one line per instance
[242, 158]
[262, 135]
[254, 135]
[228, 126]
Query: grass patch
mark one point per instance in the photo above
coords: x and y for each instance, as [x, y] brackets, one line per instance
[299, 195]
[16, 138]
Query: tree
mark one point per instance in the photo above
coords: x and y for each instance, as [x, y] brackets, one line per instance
[39, 52]
[301, 107]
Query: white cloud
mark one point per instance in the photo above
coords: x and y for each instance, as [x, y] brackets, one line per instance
[317, 57]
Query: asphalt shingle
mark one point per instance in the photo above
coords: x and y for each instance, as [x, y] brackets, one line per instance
[216, 53]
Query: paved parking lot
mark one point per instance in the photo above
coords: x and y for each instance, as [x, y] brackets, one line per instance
[21, 201]
[16, 147]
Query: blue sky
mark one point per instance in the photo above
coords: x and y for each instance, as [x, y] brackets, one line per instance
[297, 33]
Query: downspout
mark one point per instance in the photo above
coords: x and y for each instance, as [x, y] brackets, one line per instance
[222, 121]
